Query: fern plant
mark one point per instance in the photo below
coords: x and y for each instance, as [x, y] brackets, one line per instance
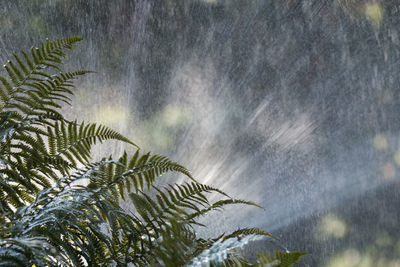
[49, 218]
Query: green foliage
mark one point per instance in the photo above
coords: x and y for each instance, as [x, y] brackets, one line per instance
[279, 259]
[58, 208]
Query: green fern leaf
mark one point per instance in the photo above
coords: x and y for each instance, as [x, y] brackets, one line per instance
[279, 258]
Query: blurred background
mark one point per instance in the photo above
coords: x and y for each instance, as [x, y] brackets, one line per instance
[293, 104]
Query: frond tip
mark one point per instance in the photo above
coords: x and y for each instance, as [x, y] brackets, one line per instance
[248, 231]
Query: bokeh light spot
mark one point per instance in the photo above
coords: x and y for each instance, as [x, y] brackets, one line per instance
[374, 13]
[380, 142]
[349, 258]
[174, 115]
[113, 115]
[331, 226]
[388, 171]
[384, 240]
[397, 157]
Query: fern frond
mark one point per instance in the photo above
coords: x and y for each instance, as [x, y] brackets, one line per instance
[138, 172]
[279, 258]
[248, 231]
[50, 217]
[220, 204]
[73, 218]
[12, 193]
[221, 250]
[74, 141]
[22, 251]
[178, 201]
[23, 71]
[176, 245]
